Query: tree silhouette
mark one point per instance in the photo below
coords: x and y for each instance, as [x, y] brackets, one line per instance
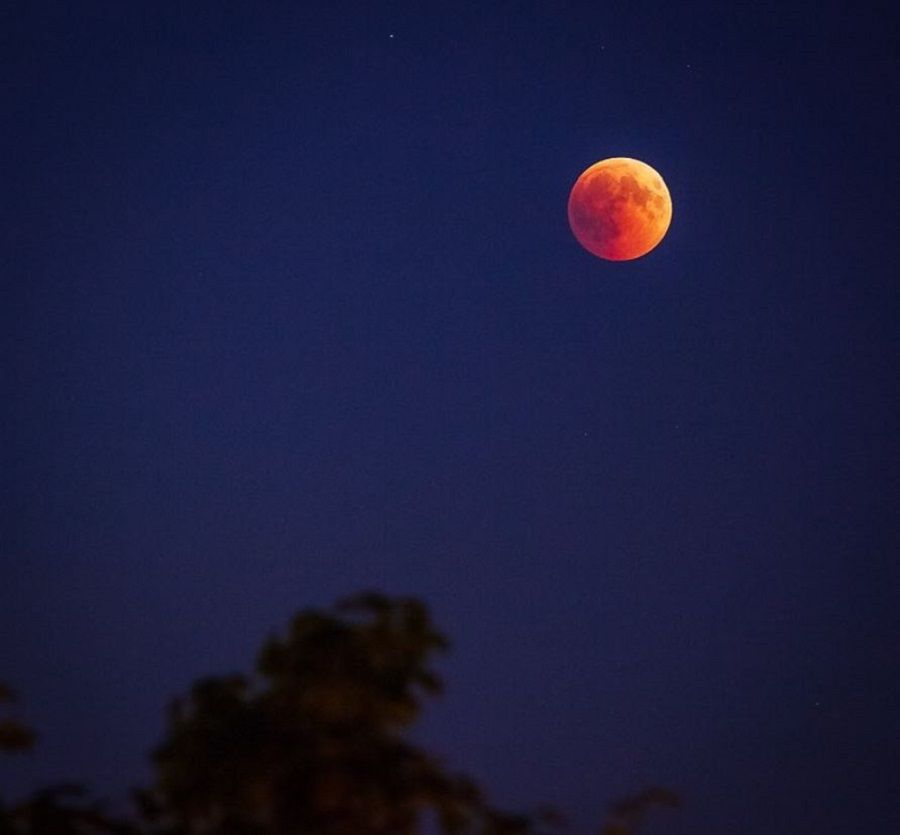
[14, 736]
[314, 742]
[60, 810]
[57, 810]
[628, 814]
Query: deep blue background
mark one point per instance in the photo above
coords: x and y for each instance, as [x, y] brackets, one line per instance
[290, 308]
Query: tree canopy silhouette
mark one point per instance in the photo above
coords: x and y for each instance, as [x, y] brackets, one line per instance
[14, 735]
[52, 811]
[314, 742]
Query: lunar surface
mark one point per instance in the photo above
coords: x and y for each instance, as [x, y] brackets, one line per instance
[619, 209]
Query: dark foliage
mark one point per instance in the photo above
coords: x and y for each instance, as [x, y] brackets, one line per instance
[313, 743]
[626, 815]
[14, 736]
[59, 811]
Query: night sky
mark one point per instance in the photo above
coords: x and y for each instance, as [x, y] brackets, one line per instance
[291, 309]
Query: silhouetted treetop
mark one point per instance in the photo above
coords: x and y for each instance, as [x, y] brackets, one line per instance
[14, 735]
[626, 815]
[57, 810]
[366, 664]
[314, 742]
[60, 810]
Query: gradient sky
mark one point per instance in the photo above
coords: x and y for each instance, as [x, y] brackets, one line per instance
[291, 309]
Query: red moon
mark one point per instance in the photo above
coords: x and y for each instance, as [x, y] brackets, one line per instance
[619, 209]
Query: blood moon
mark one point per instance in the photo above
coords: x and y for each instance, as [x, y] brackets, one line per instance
[619, 209]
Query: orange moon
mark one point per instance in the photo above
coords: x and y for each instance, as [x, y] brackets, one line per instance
[619, 209]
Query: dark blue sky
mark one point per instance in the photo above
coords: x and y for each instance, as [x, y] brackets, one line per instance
[291, 309]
